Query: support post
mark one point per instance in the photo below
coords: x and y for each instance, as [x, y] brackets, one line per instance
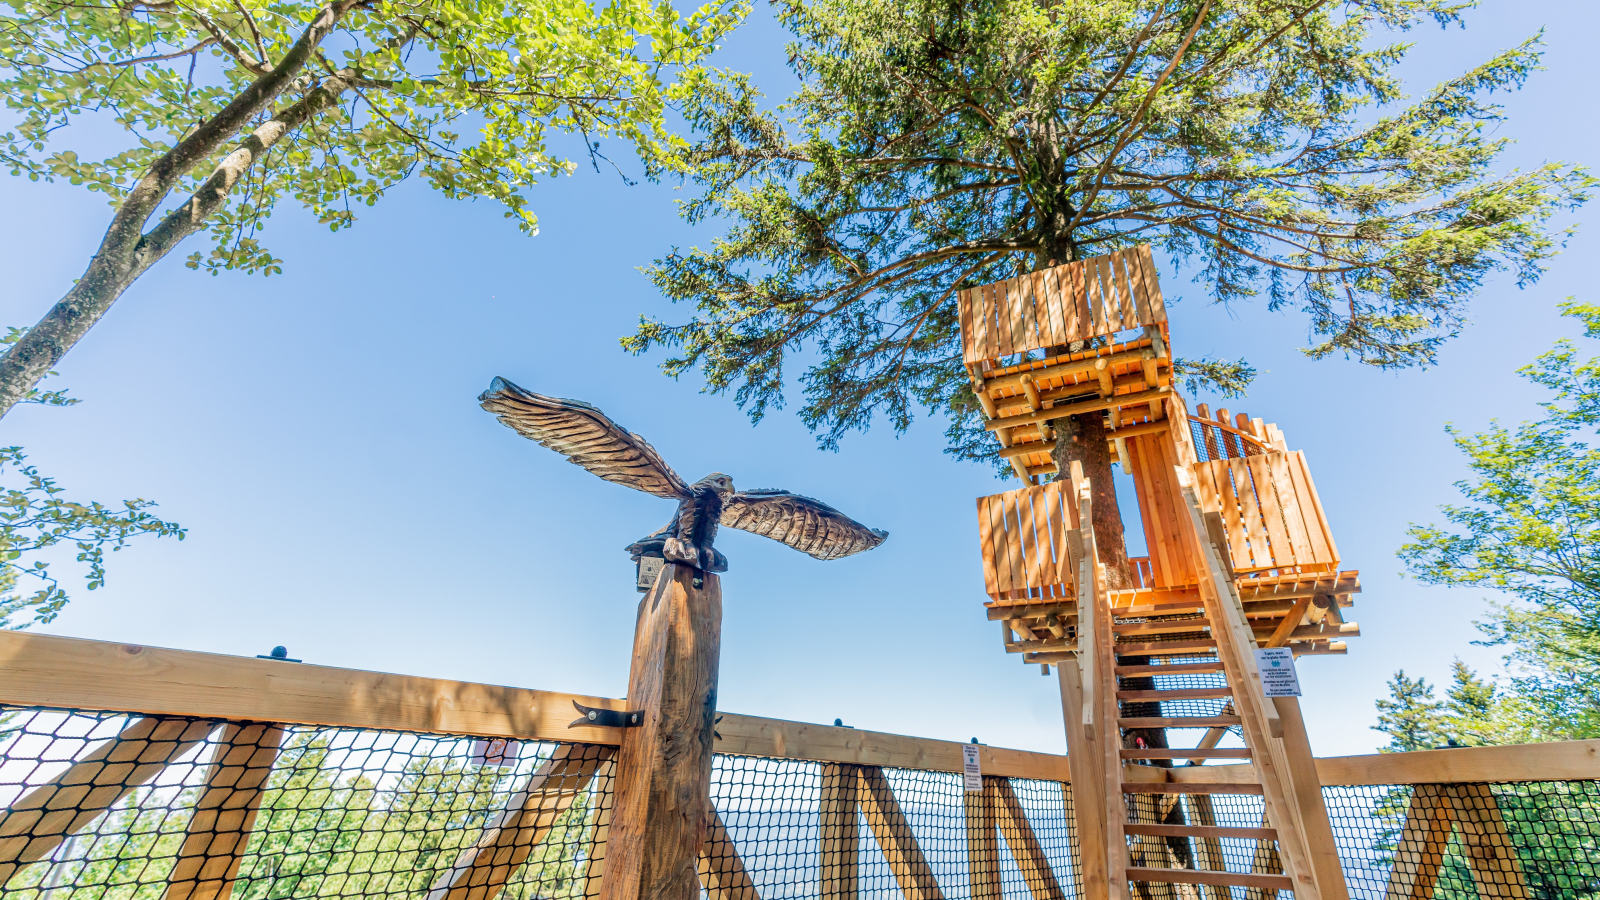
[663, 800]
[840, 853]
[213, 847]
[1305, 790]
[1088, 798]
[983, 846]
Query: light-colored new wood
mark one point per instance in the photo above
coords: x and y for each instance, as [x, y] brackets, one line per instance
[1193, 876]
[888, 824]
[1419, 853]
[1088, 798]
[663, 778]
[1021, 841]
[840, 852]
[722, 872]
[34, 825]
[481, 871]
[1436, 810]
[50, 671]
[983, 840]
[213, 844]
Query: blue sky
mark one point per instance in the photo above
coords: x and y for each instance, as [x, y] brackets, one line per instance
[318, 433]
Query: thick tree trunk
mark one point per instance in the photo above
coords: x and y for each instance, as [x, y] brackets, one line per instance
[1082, 439]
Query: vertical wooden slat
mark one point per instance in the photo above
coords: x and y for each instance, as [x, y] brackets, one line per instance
[1152, 281]
[888, 824]
[991, 580]
[1419, 854]
[1271, 512]
[33, 826]
[1144, 490]
[1169, 500]
[1141, 294]
[1094, 277]
[1304, 472]
[481, 871]
[1050, 305]
[1044, 570]
[1070, 281]
[1002, 544]
[969, 348]
[1004, 318]
[983, 322]
[1088, 799]
[722, 872]
[1254, 529]
[214, 843]
[983, 848]
[1127, 315]
[1294, 516]
[1014, 548]
[840, 853]
[1315, 528]
[1022, 505]
[1022, 842]
[1036, 327]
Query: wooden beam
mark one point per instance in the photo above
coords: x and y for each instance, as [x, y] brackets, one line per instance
[481, 871]
[888, 824]
[39, 821]
[1021, 841]
[1083, 757]
[840, 852]
[983, 847]
[1065, 369]
[722, 872]
[1419, 853]
[1496, 870]
[663, 783]
[50, 671]
[213, 845]
[1072, 409]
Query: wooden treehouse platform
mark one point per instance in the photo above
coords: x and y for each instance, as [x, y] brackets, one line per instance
[1240, 558]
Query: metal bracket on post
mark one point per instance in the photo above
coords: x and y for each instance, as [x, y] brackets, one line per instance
[606, 718]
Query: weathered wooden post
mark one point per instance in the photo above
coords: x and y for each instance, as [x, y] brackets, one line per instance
[663, 800]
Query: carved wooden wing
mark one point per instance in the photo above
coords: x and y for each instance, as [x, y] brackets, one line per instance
[586, 437]
[805, 524]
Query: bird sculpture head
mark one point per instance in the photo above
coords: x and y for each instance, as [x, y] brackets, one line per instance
[719, 482]
[586, 437]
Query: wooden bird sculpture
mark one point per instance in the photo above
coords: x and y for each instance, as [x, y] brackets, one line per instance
[588, 438]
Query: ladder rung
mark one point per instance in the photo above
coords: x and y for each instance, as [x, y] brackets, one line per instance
[1188, 787]
[1182, 722]
[1182, 669]
[1231, 753]
[1160, 648]
[1202, 831]
[1181, 694]
[1168, 626]
[1196, 876]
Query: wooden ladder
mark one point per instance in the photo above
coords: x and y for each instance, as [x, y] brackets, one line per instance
[1221, 632]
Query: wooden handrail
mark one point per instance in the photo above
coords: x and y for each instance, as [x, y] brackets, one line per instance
[49, 671]
[1245, 435]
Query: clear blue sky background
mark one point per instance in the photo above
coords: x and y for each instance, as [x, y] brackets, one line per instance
[317, 432]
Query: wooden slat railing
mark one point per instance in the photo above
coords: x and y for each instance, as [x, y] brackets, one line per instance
[1270, 508]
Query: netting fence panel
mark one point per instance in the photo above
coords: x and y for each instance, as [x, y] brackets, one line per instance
[117, 806]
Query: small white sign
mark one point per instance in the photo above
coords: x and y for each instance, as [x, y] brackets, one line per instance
[1277, 672]
[649, 570]
[971, 773]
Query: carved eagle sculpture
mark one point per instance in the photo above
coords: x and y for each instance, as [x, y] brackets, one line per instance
[587, 437]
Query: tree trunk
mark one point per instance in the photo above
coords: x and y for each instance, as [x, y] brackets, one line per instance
[1082, 439]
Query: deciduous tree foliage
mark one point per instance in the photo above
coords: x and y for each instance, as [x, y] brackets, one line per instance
[1530, 527]
[202, 115]
[938, 144]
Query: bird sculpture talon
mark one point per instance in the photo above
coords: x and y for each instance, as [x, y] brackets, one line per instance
[588, 438]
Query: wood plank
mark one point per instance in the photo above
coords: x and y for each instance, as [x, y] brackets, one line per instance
[888, 825]
[983, 841]
[1211, 831]
[1177, 694]
[969, 350]
[1044, 568]
[664, 764]
[840, 852]
[1016, 552]
[722, 872]
[1272, 514]
[34, 825]
[1007, 316]
[1141, 298]
[1195, 876]
[1294, 516]
[214, 841]
[1088, 784]
[1195, 753]
[1058, 520]
[1152, 280]
[1496, 870]
[1223, 722]
[1027, 536]
[985, 337]
[1327, 550]
[480, 872]
[1049, 300]
[991, 577]
[1075, 298]
[1191, 787]
[1419, 853]
[1180, 669]
[1002, 543]
[1023, 843]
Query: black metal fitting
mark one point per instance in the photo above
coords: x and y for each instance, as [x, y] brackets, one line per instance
[606, 718]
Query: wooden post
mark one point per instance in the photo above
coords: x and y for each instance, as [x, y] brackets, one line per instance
[1083, 762]
[983, 843]
[663, 800]
[840, 853]
[213, 848]
[1305, 790]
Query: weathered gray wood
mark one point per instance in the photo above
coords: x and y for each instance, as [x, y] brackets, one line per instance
[662, 806]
